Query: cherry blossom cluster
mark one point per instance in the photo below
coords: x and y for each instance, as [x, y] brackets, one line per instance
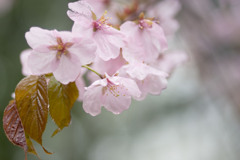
[121, 57]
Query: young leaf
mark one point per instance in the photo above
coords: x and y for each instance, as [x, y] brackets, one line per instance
[14, 130]
[61, 99]
[32, 105]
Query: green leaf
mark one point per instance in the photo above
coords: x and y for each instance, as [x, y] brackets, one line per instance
[14, 130]
[32, 105]
[61, 100]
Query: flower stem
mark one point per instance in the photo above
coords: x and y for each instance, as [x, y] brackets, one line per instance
[90, 69]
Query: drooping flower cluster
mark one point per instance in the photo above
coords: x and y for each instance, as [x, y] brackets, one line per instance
[124, 57]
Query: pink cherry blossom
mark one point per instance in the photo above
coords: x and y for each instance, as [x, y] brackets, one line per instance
[108, 39]
[80, 83]
[145, 40]
[26, 70]
[114, 93]
[99, 5]
[165, 11]
[78, 9]
[60, 53]
[167, 62]
[148, 79]
[110, 67]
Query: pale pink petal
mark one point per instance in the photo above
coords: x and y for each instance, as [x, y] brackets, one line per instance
[140, 71]
[134, 50]
[79, 8]
[42, 63]
[116, 104]
[152, 84]
[84, 49]
[110, 67]
[165, 9]
[148, 79]
[98, 5]
[81, 87]
[92, 100]
[108, 45]
[65, 36]
[132, 87]
[26, 70]
[158, 37]
[169, 61]
[164, 13]
[83, 27]
[156, 84]
[68, 70]
[116, 96]
[39, 39]
[170, 27]
[143, 44]
[129, 28]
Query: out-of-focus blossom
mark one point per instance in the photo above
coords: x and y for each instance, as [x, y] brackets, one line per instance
[165, 12]
[110, 67]
[60, 53]
[145, 40]
[211, 29]
[114, 93]
[99, 5]
[148, 79]
[167, 62]
[5, 5]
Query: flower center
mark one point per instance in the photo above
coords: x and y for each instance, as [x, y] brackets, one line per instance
[61, 47]
[145, 23]
[113, 89]
[100, 23]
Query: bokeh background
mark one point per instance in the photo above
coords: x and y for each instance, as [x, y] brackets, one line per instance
[196, 118]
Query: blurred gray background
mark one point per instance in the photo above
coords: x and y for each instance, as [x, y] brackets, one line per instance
[196, 118]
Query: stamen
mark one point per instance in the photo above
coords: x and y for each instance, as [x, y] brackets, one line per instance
[61, 47]
[115, 89]
[98, 24]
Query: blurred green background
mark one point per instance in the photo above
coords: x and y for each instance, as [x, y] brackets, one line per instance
[196, 118]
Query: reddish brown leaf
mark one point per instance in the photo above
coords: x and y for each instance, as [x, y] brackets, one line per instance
[14, 130]
[61, 100]
[32, 105]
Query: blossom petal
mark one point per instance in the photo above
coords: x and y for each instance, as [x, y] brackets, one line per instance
[79, 8]
[168, 62]
[84, 49]
[116, 104]
[158, 37]
[108, 45]
[130, 85]
[92, 100]
[153, 84]
[68, 70]
[129, 28]
[42, 63]
[81, 87]
[26, 70]
[140, 71]
[83, 27]
[39, 39]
